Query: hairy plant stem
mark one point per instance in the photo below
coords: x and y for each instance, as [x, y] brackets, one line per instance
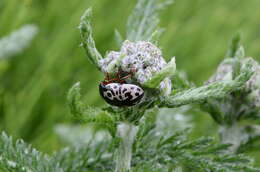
[127, 133]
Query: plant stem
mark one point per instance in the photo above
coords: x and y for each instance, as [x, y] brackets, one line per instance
[127, 133]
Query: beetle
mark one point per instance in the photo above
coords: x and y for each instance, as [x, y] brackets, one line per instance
[117, 92]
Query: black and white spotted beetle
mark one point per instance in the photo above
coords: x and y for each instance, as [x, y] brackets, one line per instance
[117, 92]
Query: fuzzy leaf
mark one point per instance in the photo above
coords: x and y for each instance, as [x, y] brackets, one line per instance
[237, 61]
[90, 157]
[144, 19]
[87, 39]
[156, 36]
[19, 156]
[119, 39]
[86, 114]
[214, 90]
[240, 53]
[234, 45]
[161, 153]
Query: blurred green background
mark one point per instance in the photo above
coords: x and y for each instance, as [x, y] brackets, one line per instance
[34, 83]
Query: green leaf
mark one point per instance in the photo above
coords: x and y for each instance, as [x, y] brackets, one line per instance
[156, 36]
[162, 153]
[214, 90]
[19, 156]
[211, 107]
[87, 157]
[87, 39]
[74, 100]
[234, 45]
[86, 114]
[119, 39]
[240, 53]
[144, 19]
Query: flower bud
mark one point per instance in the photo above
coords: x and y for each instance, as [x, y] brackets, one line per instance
[252, 86]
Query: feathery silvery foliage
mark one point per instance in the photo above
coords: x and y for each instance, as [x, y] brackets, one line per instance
[172, 151]
[21, 157]
[213, 90]
[142, 25]
[87, 38]
[90, 157]
[152, 151]
[137, 141]
[134, 127]
[17, 41]
[240, 105]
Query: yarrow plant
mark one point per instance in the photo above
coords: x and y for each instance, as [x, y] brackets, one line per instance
[240, 105]
[139, 145]
[134, 137]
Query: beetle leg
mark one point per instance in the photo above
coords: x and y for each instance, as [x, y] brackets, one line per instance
[131, 74]
[133, 70]
[127, 76]
[107, 77]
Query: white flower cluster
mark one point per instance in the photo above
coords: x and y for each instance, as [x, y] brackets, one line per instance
[224, 72]
[254, 82]
[144, 57]
[252, 86]
[17, 41]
